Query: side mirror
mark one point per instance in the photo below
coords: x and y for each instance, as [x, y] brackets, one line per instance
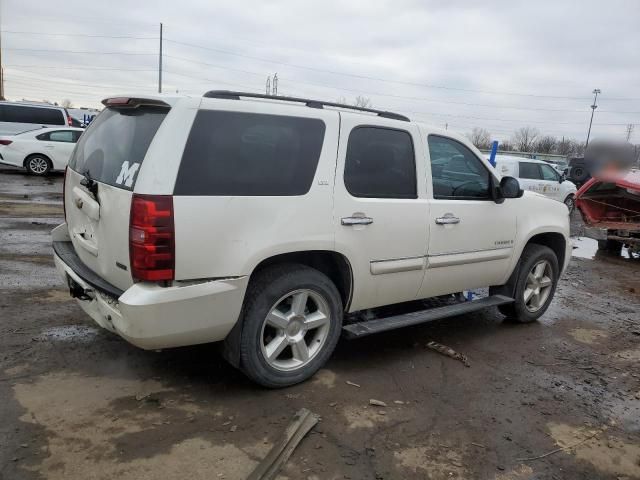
[562, 178]
[510, 188]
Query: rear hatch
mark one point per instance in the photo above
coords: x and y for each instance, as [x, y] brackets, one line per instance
[100, 181]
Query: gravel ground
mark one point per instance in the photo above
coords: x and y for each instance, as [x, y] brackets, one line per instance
[77, 402]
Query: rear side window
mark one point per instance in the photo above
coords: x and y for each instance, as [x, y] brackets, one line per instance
[29, 114]
[380, 163]
[530, 171]
[112, 148]
[67, 136]
[247, 154]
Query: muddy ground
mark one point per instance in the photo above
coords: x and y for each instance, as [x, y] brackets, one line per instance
[77, 402]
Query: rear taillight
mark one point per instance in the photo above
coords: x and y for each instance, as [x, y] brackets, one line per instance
[6, 142]
[64, 190]
[151, 237]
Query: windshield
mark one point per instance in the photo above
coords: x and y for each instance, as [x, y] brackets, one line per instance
[112, 149]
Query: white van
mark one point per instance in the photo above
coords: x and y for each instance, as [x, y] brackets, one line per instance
[538, 176]
[20, 117]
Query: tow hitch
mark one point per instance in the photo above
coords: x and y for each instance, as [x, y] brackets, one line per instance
[77, 291]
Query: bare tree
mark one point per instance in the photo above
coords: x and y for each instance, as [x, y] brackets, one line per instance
[363, 102]
[563, 147]
[66, 103]
[506, 146]
[480, 137]
[546, 144]
[525, 138]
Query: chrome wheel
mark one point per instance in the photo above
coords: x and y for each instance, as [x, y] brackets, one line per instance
[295, 330]
[38, 165]
[538, 286]
[570, 203]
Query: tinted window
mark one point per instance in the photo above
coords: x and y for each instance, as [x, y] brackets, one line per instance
[29, 114]
[456, 172]
[235, 153]
[548, 173]
[113, 147]
[530, 171]
[380, 163]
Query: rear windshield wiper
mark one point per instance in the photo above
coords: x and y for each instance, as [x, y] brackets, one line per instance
[90, 184]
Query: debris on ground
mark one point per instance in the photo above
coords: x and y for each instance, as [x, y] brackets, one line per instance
[377, 403]
[353, 384]
[269, 467]
[449, 352]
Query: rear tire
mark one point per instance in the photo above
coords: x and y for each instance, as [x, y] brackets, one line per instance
[292, 323]
[535, 284]
[38, 165]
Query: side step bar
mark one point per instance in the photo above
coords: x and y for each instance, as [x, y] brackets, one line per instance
[362, 329]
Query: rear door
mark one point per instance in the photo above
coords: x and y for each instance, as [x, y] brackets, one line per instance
[110, 153]
[58, 145]
[531, 177]
[380, 211]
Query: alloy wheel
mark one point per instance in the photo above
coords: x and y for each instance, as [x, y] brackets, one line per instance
[538, 286]
[295, 330]
[38, 165]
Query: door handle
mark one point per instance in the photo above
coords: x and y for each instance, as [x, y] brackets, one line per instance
[447, 219]
[356, 221]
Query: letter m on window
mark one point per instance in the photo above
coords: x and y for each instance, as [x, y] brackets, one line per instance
[127, 173]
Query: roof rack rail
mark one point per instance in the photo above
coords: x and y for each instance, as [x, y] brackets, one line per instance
[231, 95]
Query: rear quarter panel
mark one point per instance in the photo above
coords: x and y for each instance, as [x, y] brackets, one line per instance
[220, 236]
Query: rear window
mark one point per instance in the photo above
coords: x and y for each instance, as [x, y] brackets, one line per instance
[113, 147]
[31, 114]
[247, 154]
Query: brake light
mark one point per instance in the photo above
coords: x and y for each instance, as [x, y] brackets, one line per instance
[69, 122]
[151, 237]
[64, 189]
[6, 142]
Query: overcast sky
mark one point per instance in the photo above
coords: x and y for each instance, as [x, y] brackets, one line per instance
[498, 65]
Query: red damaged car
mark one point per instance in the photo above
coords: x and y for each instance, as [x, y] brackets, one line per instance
[610, 208]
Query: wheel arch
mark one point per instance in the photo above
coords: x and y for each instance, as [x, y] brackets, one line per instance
[333, 264]
[555, 241]
[36, 154]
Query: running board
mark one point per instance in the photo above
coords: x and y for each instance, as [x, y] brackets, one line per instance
[368, 327]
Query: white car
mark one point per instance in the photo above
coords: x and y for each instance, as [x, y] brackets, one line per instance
[275, 224]
[538, 176]
[39, 151]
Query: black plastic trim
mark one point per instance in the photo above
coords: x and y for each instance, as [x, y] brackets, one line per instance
[232, 95]
[69, 257]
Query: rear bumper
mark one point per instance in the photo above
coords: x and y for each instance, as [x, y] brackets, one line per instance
[154, 317]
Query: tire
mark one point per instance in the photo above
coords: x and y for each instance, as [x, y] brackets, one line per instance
[38, 165]
[570, 202]
[273, 324]
[522, 311]
[610, 246]
[579, 173]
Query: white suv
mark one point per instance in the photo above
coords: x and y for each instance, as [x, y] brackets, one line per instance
[276, 223]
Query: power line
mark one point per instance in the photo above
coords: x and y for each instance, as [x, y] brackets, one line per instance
[84, 67]
[89, 35]
[73, 51]
[379, 79]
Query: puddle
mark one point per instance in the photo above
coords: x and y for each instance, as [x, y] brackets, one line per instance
[584, 247]
[588, 335]
[70, 333]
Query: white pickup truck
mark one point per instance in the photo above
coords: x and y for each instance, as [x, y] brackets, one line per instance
[275, 224]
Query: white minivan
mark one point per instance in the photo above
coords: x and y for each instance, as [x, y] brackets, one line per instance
[18, 117]
[538, 176]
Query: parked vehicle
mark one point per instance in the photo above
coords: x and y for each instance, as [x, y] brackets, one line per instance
[275, 223]
[610, 207]
[19, 117]
[538, 176]
[39, 151]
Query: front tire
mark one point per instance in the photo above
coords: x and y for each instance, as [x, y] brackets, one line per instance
[292, 322]
[570, 202]
[38, 165]
[535, 284]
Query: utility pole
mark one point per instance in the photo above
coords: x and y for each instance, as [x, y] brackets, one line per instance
[1, 69]
[268, 86]
[275, 84]
[595, 92]
[160, 63]
[630, 131]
